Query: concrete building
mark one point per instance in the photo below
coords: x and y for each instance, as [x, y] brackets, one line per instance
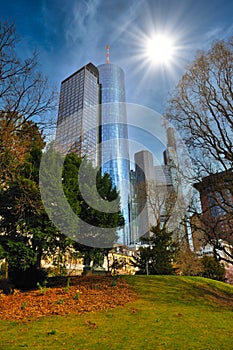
[216, 195]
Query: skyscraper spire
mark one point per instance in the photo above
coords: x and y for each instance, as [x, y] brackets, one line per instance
[107, 54]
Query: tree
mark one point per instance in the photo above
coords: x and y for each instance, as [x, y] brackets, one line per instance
[24, 95]
[24, 92]
[27, 234]
[160, 246]
[202, 110]
[212, 268]
[95, 243]
[88, 209]
[156, 257]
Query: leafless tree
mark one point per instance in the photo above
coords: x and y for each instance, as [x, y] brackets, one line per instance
[25, 97]
[188, 262]
[214, 226]
[202, 110]
[24, 92]
[163, 208]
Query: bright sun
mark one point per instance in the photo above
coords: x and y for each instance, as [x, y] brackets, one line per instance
[159, 49]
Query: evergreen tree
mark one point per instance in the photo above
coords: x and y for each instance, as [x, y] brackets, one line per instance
[92, 240]
[27, 234]
[156, 257]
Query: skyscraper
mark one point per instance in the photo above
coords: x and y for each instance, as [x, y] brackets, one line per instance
[154, 186]
[114, 147]
[144, 166]
[78, 114]
[92, 121]
[144, 170]
[113, 123]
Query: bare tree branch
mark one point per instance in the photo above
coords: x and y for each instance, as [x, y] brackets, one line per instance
[202, 110]
[24, 92]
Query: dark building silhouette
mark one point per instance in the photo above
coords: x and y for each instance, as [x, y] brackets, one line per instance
[216, 195]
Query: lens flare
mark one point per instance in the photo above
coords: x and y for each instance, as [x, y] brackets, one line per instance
[159, 49]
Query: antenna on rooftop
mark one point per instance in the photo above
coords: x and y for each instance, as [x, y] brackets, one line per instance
[107, 54]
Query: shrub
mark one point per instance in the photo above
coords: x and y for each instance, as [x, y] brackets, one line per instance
[212, 268]
[229, 275]
[27, 279]
[188, 263]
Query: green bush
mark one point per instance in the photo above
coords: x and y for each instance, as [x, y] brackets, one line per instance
[27, 279]
[212, 268]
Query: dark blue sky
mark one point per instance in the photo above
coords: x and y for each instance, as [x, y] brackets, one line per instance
[69, 34]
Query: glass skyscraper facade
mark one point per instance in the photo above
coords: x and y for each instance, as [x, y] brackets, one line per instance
[92, 121]
[114, 150]
[78, 114]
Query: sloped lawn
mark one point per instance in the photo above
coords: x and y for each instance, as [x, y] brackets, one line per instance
[169, 312]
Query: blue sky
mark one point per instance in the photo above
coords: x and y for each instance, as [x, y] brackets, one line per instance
[70, 33]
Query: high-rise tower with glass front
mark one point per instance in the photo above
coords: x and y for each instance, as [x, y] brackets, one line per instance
[92, 121]
[78, 114]
[114, 150]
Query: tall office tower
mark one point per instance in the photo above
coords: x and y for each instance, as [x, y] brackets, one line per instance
[144, 169]
[92, 121]
[177, 184]
[133, 214]
[170, 156]
[144, 166]
[78, 114]
[114, 147]
[154, 186]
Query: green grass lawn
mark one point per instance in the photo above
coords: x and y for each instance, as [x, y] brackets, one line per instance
[171, 313]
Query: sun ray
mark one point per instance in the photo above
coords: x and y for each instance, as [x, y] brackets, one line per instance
[159, 49]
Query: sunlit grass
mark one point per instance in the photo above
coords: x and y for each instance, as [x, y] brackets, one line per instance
[171, 313]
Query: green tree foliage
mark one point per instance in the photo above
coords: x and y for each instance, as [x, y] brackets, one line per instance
[27, 234]
[212, 268]
[156, 257]
[109, 217]
[84, 206]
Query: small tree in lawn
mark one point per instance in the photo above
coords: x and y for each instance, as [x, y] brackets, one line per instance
[160, 249]
[158, 255]
[212, 268]
[187, 262]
